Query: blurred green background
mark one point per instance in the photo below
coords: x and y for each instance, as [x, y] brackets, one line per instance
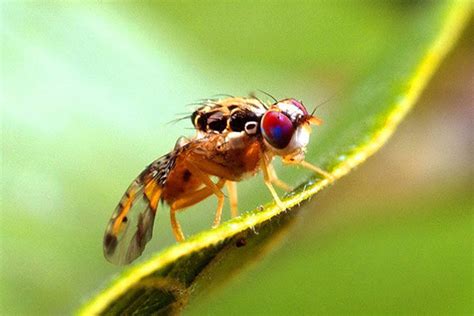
[88, 91]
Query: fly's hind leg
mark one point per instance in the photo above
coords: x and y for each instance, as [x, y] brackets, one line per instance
[191, 199]
[232, 189]
[177, 231]
[204, 177]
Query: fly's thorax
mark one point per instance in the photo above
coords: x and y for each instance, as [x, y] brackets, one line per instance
[283, 128]
[228, 115]
[236, 140]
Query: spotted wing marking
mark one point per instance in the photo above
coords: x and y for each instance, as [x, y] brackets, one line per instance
[131, 225]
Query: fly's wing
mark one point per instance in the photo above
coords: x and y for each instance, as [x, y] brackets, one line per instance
[131, 226]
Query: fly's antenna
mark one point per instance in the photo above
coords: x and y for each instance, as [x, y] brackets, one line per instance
[268, 94]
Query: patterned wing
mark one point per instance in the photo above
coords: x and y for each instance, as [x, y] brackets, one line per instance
[131, 226]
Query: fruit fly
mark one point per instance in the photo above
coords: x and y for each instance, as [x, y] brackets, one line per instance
[235, 138]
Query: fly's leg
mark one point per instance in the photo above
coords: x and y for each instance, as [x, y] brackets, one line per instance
[316, 169]
[268, 183]
[215, 189]
[196, 196]
[274, 178]
[311, 167]
[232, 189]
[177, 231]
[189, 200]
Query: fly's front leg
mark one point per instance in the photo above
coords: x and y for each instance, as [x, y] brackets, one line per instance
[274, 179]
[311, 167]
[268, 183]
[232, 189]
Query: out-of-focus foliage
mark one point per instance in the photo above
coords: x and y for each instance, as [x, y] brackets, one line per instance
[88, 88]
[404, 264]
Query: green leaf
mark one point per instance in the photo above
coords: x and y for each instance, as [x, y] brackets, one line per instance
[367, 116]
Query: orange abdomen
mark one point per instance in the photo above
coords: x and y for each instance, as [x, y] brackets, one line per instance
[179, 182]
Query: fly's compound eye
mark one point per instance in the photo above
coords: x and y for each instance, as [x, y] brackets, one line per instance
[251, 128]
[277, 129]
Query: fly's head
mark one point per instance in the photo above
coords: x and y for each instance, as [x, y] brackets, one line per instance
[286, 127]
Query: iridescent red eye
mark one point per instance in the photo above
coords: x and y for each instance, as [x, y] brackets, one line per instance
[277, 129]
